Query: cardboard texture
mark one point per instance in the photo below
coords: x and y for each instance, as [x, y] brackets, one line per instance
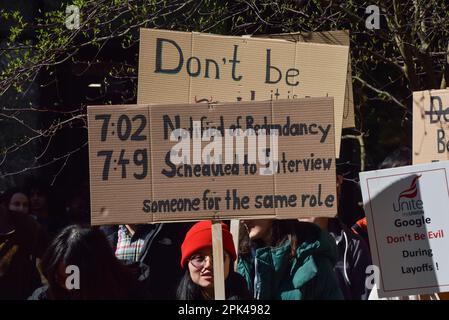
[184, 67]
[131, 175]
[406, 211]
[339, 37]
[430, 126]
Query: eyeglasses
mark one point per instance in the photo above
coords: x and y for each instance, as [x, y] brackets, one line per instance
[199, 260]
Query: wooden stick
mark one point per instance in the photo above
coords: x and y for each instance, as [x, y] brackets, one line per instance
[217, 252]
[235, 228]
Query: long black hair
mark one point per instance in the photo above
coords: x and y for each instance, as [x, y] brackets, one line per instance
[102, 276]
[235, 287]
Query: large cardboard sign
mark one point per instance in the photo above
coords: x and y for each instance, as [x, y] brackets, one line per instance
[408, 224]
[338, 37]
[134, 178]
[430, 126]
[184, 67]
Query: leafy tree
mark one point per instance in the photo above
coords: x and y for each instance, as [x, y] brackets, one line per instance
[46, 68]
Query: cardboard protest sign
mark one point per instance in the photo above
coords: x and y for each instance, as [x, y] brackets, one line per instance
[430, 126]
[408, 223]
[339, 37]
[183, 67]
[135, 178]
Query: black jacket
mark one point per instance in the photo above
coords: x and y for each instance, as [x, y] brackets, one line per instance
[353, 258]
[161, 253]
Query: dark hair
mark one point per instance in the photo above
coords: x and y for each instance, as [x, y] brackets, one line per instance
[235, 287]
[34, 183]
[102, 276]
[187, 289]
[3, 210]
[400, 157]
[6, 196]
[282, 230]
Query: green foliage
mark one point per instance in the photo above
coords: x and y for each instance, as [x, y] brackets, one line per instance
[381, 80]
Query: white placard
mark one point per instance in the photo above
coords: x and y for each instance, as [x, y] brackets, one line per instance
[407, 212]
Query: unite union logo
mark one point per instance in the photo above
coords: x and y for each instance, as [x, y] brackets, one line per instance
[408, 202]
[412, 191]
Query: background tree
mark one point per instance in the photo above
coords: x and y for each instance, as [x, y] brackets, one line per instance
[49, 72]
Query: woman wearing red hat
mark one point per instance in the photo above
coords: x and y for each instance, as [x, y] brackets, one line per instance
[198, 280]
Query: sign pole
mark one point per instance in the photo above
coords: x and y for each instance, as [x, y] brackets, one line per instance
[235, 229]
[217, 252]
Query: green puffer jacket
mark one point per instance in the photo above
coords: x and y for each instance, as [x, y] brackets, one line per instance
[308, 276]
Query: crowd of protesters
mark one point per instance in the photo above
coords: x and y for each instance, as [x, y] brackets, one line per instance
[305, 259]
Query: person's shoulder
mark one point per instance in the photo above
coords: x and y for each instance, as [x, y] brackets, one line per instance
[238, 287]
[307, 231]
[316, 242]
[111, 234]
[31, 234]
[356, 245]
[28, 227]
[339, 227]
[109, 230]
[356, 240]
[362, 223]
[237, 278]
[23, 220]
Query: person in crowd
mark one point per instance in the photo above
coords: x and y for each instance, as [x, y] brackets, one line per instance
[353, 257]
[400, 157]
[361, 228]
[80, 265]
[151, 248]
[198, 280]
[22, 242]
[52, 220]
[353, 254]
[288, 260]
[78, 211]
[16, 200]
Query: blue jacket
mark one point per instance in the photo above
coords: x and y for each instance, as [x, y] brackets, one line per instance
[272, 274]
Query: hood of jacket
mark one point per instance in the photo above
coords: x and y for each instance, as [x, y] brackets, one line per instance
[281, 276]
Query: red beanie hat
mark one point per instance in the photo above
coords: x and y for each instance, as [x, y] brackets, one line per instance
[200, 236]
